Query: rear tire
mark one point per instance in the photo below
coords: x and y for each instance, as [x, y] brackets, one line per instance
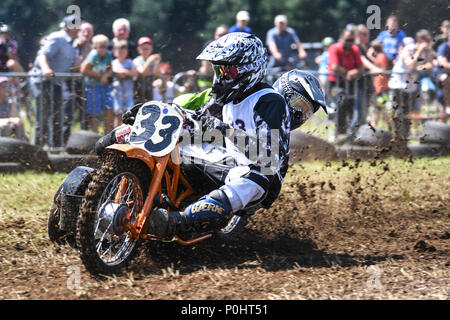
[98, 243]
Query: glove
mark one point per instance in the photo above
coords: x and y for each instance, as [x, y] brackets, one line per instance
[211, 123]
[129, 116]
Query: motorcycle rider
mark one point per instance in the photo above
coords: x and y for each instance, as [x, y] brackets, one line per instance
[247, 108]
[241, 103]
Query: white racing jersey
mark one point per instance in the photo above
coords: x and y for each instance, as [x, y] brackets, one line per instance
[260, 138]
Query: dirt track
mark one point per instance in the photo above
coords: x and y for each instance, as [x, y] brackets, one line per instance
[338, 231]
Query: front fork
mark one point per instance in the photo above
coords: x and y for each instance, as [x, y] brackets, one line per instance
[138, 230]
[158, 166]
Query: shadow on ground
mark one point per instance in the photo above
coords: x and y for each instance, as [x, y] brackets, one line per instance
[252, 250]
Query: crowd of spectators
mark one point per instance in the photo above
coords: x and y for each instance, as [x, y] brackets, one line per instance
[390, 71]
[118, 73]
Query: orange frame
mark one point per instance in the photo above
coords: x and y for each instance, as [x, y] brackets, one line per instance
[158, 166]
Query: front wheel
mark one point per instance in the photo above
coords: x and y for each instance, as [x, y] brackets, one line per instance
[116, 192]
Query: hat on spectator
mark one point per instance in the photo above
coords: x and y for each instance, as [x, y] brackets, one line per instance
[350, 26]
[3, 79]
[4, 28]
[144, 40]
[327, 41]
[165, 68]
[243, 15]
[281, 18]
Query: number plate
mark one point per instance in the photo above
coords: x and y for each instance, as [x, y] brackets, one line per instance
[157, 128]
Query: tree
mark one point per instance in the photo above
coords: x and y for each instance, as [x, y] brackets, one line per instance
[180, 27]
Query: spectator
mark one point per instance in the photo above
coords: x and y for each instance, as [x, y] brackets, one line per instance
[123, 84]
[405, 80]
[10, 122]
[442, 37]
[83, 41]
[147, 66]
[380, 82]
[242, 19]
[97, 68]
[362, 41]
[391, 39]
[284, 45]
[322, 61]
[163, 88]
[121, 30]
[83, 45]
[443, 57]
[344, 59]
[206, 72]
[9, 60]
[362, 36]
[56, 55]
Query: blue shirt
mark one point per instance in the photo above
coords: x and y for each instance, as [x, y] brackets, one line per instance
[323, 66]
[235, 28]
[5, 109]
[286, 44]
[444, 50]
[99, 64]
[391, 43]
[60, 52]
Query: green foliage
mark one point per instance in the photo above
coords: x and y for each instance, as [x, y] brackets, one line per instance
[180, 27]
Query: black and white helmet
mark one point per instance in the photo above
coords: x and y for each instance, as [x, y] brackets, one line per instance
[239, 61]
[302, 93]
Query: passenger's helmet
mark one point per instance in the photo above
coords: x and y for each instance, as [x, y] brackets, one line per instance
[239, 62]
[302, 93]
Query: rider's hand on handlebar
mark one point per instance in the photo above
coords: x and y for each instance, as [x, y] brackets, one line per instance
[129, 116]
[212, 123]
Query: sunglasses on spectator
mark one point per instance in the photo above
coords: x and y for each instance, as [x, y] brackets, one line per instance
[350, 40]
[227, 72]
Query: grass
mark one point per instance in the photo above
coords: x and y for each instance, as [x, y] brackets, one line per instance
[348, 233]
[29, 195]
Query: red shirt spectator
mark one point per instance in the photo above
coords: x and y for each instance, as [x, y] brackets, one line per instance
[347, 59]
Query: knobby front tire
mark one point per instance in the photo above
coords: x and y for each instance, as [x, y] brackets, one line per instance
[103, 250]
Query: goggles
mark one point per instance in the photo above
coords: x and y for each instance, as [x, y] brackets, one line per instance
[226, 72]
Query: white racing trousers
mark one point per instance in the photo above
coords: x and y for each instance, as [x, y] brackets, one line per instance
[215, 168]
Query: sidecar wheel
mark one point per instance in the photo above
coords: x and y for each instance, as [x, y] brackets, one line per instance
[56, 235]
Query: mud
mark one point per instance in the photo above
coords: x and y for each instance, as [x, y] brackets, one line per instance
[347, 230]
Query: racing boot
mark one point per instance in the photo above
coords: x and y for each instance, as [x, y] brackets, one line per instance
[207, 212]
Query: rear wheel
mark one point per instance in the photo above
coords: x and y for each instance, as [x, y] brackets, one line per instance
[116, 192]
